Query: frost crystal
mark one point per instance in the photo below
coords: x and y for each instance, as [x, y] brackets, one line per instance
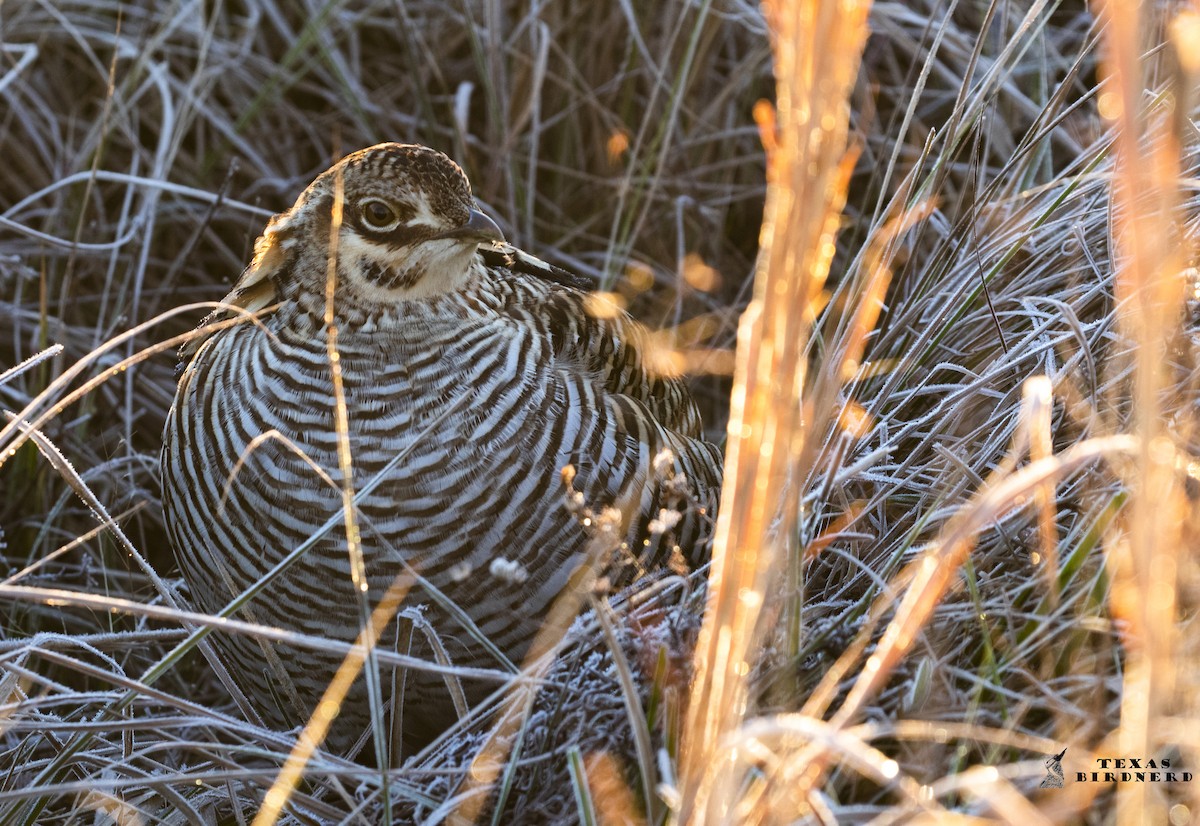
[508, 570]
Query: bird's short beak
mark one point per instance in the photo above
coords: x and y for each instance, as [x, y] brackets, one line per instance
[478, 227]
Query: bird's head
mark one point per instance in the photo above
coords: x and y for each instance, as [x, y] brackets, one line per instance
[392, 223]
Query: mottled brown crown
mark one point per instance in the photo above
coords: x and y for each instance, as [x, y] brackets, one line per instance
[419, 241]
[396, 171]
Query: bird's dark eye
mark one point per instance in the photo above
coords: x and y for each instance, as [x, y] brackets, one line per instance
[378, 215]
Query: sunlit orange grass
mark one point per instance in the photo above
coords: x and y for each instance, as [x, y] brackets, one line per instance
[372, 621]
[1147, 546]
[1147, 556]
[816, 48]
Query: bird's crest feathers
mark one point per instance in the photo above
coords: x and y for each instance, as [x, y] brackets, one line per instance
[255, 290]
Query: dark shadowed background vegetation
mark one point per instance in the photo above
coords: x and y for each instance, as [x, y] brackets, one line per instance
[144, 145]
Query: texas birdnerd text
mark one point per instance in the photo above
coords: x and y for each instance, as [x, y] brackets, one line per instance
[1133, 770]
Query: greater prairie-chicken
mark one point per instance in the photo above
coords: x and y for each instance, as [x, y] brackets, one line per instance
[467, 375]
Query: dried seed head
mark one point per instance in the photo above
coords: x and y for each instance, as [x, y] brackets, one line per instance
[665, 521]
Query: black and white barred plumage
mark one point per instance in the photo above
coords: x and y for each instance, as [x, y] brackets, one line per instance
[478, 365]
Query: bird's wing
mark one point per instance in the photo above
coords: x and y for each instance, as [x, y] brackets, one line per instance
[657, 461]
[518, 261]
[621, 352]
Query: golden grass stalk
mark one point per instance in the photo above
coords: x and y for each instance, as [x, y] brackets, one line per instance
[816, 46]
[327, 709]
[1149, 558]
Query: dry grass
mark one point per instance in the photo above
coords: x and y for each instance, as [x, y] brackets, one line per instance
[772, 414]
[983, 554]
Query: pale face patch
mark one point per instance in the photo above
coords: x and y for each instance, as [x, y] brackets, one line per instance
[421, 270]
[423, 214]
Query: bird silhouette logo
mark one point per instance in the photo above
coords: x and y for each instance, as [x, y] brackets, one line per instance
[1054, 772]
